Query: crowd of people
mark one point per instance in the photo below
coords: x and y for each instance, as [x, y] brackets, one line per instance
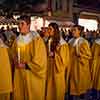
[8, 35]
[49, 65]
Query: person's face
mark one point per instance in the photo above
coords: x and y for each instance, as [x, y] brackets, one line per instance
[23, 27]
[76, 32]
[50, 31]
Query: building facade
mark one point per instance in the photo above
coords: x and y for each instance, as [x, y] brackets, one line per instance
[72, 10]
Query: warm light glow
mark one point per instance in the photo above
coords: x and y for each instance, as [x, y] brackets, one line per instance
[37, 23]
[47, 23]
[16, 16]
[19, 55]
[88, 24]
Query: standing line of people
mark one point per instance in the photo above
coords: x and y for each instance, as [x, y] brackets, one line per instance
[53, 69]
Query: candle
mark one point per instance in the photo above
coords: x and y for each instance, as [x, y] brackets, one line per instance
[19, 55]
[49, 45]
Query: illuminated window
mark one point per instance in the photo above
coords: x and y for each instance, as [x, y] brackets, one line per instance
[88, 24]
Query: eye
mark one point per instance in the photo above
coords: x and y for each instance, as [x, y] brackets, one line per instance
[50, 28]
[21, 23]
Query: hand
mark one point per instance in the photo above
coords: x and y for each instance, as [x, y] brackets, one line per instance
[51, 54]
[18, 64]
[21, 65]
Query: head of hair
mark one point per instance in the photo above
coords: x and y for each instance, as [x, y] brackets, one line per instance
[56, 37]
[55, 27]
[80, 28]
[26, 18]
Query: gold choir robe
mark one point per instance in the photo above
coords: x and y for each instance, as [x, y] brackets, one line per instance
[80, 76]
[29, 83]
[96, 64]
[57, 67]
[5, 73]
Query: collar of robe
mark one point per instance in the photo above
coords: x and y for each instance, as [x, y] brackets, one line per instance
[22, 40]
[76, 41]
[62, 41]
[97, 41]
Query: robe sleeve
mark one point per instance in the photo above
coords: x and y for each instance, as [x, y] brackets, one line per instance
[5, 72]
[95, 54]
[38, 62]
[85, 51]
[62, 58]
[95, 51]
[12, 53]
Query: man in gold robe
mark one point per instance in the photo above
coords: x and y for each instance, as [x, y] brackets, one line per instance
[80, 76]
[96, 68]
[5, 73]
[30, 59]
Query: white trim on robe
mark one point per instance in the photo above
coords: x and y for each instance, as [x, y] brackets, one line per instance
[22, 40]
[62, 41]
[97, 41]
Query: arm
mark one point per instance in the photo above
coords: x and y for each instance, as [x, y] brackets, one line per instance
[85, 51]
[62, 58]
[38, 61]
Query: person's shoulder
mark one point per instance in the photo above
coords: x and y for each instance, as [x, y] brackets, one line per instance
[62, 41]
[82, 40]
[97, 41]
[35, 34]
[71, 40]
[2, 44]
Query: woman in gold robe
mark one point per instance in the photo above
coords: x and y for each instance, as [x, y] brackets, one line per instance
[30, 59]
[96, 67]
[58, 65]
[5, 73]
[80, 76]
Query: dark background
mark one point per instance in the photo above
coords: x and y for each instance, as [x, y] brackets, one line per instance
[38, 6]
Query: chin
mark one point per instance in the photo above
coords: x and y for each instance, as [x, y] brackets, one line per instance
[22, 31]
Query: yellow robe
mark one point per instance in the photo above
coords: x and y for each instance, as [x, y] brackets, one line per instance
[56, 73]
[5, 96]
[5, 74]
[96, 65]
[80, 76]
[29, 84]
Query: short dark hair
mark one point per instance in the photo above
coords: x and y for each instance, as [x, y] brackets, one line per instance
[26, 18]
[81, 28]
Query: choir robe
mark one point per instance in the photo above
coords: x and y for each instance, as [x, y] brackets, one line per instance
[29, 83]
[96, 64]
[57, 67]
[80, 76]
[5, 73]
